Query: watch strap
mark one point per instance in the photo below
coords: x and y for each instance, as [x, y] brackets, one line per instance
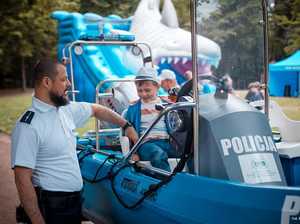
[127, 125]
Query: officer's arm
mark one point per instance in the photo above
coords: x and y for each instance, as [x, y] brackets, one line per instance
[27, 194]
[106, 114]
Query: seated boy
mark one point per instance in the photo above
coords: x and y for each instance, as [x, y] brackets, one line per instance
[141, 114]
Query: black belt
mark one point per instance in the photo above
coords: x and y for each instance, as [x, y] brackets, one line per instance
[46, 193]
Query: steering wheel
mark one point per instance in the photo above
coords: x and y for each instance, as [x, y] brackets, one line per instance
[186, 89]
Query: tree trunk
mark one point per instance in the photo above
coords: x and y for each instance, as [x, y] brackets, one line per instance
[23, 74]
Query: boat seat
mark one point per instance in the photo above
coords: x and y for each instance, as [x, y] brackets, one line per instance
[289, 130]
[288, 149]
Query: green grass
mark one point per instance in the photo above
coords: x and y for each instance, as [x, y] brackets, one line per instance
[13, 105]
[291, 106]
[90, 125]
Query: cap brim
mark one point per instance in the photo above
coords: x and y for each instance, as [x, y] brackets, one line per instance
[146, 78]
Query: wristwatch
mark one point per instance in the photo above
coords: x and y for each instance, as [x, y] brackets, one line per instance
[127, 125]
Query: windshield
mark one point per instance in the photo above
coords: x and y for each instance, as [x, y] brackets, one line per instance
[235, 34]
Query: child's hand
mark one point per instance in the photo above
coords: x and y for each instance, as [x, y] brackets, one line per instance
[135, 157]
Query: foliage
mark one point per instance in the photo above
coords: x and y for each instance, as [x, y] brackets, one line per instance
[285, 28]
[27, 31]
[126, 8]
[123, 8]
[235, 26]
[183, 13]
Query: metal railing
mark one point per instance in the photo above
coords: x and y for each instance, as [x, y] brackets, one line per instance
[70, 46]
[98, 96]
[193, 9]
[264, 4]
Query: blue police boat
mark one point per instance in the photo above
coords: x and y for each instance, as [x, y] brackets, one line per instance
[228, 168]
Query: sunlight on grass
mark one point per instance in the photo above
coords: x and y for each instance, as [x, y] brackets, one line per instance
[291, 106]
[12, 106]
[90, 125]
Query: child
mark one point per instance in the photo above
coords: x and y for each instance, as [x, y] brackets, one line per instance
[254, 92]
[168, 80]
[141, 114]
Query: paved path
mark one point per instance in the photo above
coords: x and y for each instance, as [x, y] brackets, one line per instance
[8, 192]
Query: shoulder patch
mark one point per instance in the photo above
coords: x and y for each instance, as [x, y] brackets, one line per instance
[27, 117]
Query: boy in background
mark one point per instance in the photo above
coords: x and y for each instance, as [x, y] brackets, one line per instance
[168, 80]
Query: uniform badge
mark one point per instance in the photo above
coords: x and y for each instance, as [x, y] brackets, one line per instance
[27, 117]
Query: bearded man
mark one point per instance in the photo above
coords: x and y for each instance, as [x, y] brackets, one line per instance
[43, 153]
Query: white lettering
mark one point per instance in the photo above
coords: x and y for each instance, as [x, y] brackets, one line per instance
[259, 143]
[251, 140]
[226, 144]
[271, 144]
[248, 144]
[291, 207]
[266, 143]
[237, 145]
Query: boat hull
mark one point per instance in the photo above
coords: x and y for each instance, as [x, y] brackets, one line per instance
[186, 199]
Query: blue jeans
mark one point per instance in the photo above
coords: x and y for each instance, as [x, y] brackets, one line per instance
[157, 152]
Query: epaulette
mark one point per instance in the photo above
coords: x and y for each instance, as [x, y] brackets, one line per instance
[27, 117]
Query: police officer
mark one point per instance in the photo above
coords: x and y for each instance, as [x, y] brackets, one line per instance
[43, 154]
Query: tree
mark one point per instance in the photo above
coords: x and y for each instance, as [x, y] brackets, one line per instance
[183, 13]
[126, 8]
[236, 26]
[123, 8]
[285, 28]
[28, 32]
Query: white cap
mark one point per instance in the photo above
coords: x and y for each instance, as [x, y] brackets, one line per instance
[148, 73]
[167, 74]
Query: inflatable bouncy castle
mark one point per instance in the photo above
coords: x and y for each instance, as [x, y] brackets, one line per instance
[93, 63]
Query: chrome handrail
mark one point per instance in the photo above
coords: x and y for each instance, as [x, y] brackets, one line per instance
[193, 8]
[104, 42]
[98, 87]
[266, 54]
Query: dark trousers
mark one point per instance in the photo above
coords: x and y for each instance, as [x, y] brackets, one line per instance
[59, 207]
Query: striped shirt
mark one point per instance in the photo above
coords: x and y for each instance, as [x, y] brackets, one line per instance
[148, 115]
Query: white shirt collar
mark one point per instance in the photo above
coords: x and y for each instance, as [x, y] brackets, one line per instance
[41, 106]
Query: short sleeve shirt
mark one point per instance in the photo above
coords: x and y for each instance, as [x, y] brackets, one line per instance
[44, 141]
[148, 115]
